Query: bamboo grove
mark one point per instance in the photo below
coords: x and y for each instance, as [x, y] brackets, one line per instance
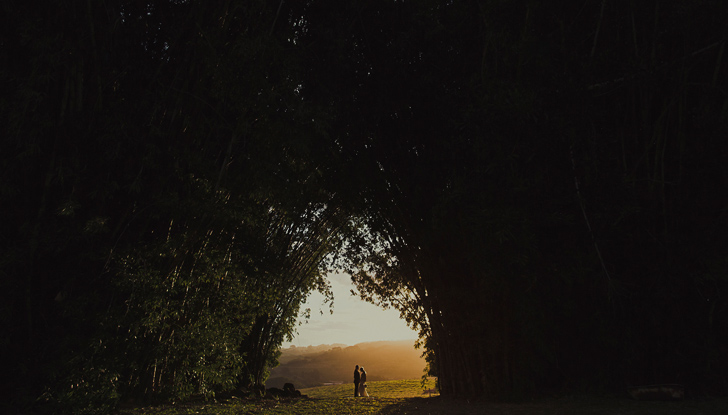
[538, 187]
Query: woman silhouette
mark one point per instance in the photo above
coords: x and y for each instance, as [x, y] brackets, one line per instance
[363, 383]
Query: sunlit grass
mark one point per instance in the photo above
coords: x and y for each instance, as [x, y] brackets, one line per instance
[336, 399]
[409, 388]
[406, 397]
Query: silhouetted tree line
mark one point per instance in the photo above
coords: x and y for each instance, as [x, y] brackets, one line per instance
[537, 186]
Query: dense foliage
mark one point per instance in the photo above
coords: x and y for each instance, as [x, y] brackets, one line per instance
[542, 185]
[163, 212]
[537, 186]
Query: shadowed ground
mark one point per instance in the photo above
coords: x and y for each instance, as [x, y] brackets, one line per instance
[406, 397]
[563, 406]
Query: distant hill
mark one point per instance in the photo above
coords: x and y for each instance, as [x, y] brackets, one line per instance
[294, 352]
[311, 366]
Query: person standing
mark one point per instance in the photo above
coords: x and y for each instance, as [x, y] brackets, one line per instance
[356, 381]
[363, 383]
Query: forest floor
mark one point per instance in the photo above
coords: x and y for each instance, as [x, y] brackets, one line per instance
[406, 397]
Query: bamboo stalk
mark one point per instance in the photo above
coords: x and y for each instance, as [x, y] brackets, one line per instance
[599, 26]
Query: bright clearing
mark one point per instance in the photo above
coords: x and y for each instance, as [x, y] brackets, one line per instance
[353, 320]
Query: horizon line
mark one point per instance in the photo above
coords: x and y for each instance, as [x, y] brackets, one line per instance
[349, 345]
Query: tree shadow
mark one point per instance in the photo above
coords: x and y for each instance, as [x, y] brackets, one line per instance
[432, 406]
[573, 405]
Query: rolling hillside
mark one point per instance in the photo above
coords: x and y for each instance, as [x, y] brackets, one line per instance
[331, 364]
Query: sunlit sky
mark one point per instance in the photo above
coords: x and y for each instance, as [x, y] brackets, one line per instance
[353, 320]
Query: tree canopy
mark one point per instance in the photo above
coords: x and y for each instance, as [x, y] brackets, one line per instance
[536, 186]
[538, 179]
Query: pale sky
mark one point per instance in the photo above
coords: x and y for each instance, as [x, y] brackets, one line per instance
[353, 321]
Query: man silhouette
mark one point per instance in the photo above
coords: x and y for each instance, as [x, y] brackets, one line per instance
[356, 381]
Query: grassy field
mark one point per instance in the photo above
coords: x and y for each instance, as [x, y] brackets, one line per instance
[406, 397]
[336, 399]
[390, 390]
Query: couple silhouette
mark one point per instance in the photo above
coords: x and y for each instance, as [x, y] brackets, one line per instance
[360, 382]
